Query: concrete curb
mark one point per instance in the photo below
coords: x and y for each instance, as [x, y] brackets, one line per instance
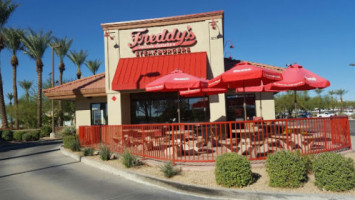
[69, 154]
[199, 190]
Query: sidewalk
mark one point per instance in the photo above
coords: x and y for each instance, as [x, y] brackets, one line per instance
[213, 193]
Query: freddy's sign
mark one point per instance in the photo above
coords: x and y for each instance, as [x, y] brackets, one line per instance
[144, 44]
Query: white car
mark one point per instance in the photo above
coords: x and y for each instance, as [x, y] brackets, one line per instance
[325, 114]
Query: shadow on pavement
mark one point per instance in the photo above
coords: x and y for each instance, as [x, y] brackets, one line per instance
[39, 169]
[7, 146]
[37, 153]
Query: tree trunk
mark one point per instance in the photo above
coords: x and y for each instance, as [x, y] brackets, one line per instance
[14, 87]
[60, 105]
[2, 102]
[39, 92]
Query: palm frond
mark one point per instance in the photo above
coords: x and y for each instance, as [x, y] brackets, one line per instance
[93, 65]
[64, 45]
[26, 85]
[12, 38]
[6, 9]
[78, 58]
[10, 96]
[36, 43]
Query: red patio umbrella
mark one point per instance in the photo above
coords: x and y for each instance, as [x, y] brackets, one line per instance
[200, 92]
[244, 75]
[295, 77]
[175, 81]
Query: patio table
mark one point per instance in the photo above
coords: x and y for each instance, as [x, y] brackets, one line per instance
[304, 141]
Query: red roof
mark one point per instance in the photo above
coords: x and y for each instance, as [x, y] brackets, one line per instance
[135, 73]
[88, 86]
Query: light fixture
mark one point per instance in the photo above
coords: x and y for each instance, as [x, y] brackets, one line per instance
[231, 44]
[107, 34]
[213, 24]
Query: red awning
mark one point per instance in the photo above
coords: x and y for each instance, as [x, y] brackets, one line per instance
[135, 73]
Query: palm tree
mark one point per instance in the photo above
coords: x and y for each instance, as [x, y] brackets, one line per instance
[6, 9]
[13, 43]
[61, 51]
[35, 46]
[332, 93]
[78, 58]
[26, 85]
[93, 65]
[340, 93]
[319, 92]
[10, 96]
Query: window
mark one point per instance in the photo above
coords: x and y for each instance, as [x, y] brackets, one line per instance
[162, 108]
[235, 110]
[98, 114]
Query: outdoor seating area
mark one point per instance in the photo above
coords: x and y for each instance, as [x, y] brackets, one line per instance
[203, 142]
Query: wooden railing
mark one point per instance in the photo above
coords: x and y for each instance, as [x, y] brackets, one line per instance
[203, 142]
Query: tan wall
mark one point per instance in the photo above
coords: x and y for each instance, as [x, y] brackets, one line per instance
[207, 41]
[267, 105]
[82, 110]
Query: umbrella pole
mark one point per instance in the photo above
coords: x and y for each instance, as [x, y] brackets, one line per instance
[178, 111]
[205, 107]
[261, 107]
[295, 102]
[244, 103]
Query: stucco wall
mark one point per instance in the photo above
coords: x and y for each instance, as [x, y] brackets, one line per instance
[267, 110]
[82, 110]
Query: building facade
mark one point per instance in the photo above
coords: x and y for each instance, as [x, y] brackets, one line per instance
[138, 52]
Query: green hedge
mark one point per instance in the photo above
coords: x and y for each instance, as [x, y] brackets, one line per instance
[334, 172]
[7, 135]
[31, 135]
[286, 169]
[233, 170]
[27, 137]
[71, 142]
[18, 135]
[45, 131]
[68, 130]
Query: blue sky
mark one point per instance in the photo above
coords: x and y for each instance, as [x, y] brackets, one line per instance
[318, 34]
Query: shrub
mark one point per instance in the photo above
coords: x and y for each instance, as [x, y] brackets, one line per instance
[169, 171]
[233, 170]
[334, 172]
[68, 130]
[45, 131]
[286, 169]
[105, 153]
[7, 135]
[129, 160]
[34, 134]
[71, 142]
[18, 135]
[27, 137]
[308, 159]
[88, 152]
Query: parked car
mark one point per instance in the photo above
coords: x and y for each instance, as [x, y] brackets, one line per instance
[325, 114]
[305, 115]
[348, 113]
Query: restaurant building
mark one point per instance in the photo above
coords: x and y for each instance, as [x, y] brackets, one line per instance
[138, 52]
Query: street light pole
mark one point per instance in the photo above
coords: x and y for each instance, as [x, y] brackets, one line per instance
[52, 134]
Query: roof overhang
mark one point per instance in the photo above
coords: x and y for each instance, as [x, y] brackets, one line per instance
[163, 21]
